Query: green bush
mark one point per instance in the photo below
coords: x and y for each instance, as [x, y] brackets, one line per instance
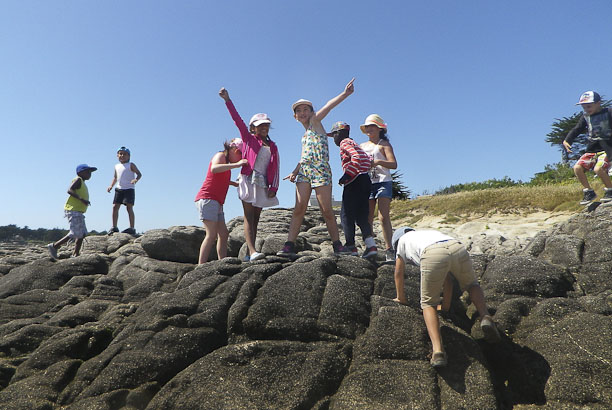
[558, 173]
[477, 186]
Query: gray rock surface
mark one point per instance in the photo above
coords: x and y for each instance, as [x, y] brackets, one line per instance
[135, 323]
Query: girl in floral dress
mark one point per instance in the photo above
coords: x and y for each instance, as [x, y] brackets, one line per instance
[313, 171]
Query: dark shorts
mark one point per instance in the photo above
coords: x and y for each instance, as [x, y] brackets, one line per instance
[124, 196]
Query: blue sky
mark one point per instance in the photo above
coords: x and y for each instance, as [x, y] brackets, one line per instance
[468, 89]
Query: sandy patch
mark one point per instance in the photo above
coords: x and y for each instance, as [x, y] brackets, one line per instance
[520, 226]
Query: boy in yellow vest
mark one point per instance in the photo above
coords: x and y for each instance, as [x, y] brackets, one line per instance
[74, 210]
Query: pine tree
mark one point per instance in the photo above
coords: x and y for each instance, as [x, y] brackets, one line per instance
[561, 127]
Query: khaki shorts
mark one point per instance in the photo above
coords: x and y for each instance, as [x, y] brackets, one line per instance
[439, 259]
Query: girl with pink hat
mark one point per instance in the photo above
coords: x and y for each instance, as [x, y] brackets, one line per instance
[259, 176]
[383, 161]
[211, 196]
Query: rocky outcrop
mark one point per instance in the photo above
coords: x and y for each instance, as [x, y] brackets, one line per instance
[136, 323]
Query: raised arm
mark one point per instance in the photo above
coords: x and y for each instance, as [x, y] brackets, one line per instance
[348, 90]
[244, 131]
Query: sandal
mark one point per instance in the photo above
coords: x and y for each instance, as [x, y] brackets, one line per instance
[438, 359]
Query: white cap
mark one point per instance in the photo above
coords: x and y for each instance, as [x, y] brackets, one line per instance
[588, 98]
[259, 119]
[301, 101]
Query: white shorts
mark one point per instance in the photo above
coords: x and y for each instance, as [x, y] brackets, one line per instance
[210, 210]
[76, 219]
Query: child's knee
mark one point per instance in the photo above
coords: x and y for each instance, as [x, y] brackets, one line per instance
[300, 208]
[327, 212]
[578, 168]
[223, 235]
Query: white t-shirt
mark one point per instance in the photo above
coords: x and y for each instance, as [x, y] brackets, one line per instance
[412, 244]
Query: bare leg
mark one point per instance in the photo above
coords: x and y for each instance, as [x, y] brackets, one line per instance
[603, 175]
[77, 246]
[477, 298]
[223, 235]
[130, 211]
[324, 194]
[581, 175]
[433, 328]
[302, 195]
[61, 242]
[256, 216]
[384, 206]
[372, 212]
[209, 240]
[249, 225]
[116, 214]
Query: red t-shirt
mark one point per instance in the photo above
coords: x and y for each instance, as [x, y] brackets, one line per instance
[215, 186]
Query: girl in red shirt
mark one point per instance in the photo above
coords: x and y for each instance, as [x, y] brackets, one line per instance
[211, 197]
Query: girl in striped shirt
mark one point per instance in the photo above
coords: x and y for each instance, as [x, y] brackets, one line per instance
[356, 192]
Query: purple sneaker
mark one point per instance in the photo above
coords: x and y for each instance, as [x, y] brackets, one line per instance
[340, 250]
[288, 250]
[371, 251]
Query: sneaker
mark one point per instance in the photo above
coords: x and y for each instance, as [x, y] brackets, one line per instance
[247, 258]
[607, 195]
[353, 249]
[589, 196]
[257, 256]
[288, 249]
[389, 255]
[113, 230]
[491, 334]
[371, 251]
[130, 231]
[438, 359]
[52, 251]
[339, 249]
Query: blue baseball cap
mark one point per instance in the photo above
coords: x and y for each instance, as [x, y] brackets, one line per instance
[85, 167]
[399, 232]
[124, 149]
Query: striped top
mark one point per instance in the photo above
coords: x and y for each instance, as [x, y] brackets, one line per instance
[355, 160]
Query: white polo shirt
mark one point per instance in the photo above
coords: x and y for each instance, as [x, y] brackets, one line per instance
[412, 244]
